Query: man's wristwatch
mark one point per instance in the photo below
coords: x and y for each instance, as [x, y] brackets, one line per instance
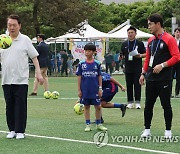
[162, 65]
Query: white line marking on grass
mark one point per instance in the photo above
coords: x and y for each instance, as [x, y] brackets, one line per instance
[68, 98]
[89, 142]
[52, 99]
[76, 98]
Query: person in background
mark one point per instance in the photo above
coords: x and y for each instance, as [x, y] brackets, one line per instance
[75, 65]
[162, 53]
[116, 60]
[121, 62]
[52, 59]
[133, 67]
[70, 62]
[15, 76]
[64, 58]
[58, 58]
[108, 61]
[43, 50]
[176, 67]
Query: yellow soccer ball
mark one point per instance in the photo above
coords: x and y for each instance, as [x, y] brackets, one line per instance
[55, 95]
[79, 109]
[47, 94]
[5, 41]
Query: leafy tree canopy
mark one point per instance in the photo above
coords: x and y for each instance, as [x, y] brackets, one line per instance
[58, 16]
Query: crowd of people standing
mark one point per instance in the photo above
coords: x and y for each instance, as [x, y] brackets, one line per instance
[61, 62]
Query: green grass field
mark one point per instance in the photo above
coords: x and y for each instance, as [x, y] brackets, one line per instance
[54, 122]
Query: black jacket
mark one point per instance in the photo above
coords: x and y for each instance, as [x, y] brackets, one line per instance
[43, 50]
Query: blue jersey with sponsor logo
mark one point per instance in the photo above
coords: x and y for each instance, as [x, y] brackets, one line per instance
[107, 85]
[89, 73]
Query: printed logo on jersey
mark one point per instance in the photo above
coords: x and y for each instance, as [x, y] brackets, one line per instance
[84, 66]
[161, 45]
[95, 67]
[89, 74]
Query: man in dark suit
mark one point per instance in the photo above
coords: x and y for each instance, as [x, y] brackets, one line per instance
[43, 51]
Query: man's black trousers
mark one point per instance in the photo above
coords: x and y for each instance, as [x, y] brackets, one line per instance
[153, 90]
[16, 107]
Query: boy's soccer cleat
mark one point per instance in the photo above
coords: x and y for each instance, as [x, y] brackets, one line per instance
[138, 106]
[123, 109]
[168, 134]
[101, 127]
[11, 135]
[88, 128]
[146, 133]
[130, 106]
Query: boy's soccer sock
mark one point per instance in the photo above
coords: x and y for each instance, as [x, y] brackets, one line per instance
[117, 105]
[88, 122]
[98, 121]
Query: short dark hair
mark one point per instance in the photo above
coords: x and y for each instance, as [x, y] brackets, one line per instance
[178, 28]
[131, 28]
[41, 36]
[90, 46]
[155, 17]
[14, 16]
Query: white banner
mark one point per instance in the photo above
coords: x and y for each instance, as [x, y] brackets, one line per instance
[77, 49]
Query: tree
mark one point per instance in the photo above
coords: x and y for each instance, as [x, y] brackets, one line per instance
[176, 11]
[2, 20]
[53, 19]
[58, 16]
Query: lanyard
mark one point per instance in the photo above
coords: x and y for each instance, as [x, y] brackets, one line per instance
[134, 46]
[156, 45]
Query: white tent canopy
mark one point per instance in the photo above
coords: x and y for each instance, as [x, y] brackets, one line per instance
[122, 33]
[69, 35]
[86, 31]
[91, 32]
[34, 40]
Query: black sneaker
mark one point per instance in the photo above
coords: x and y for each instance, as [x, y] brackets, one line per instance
[123, 109]
[102, 120]
[33, 94]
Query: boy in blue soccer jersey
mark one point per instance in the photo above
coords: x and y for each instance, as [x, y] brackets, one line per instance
[90, 86]
[110, 88]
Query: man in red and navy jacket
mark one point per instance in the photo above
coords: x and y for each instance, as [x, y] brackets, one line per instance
[162, 53]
